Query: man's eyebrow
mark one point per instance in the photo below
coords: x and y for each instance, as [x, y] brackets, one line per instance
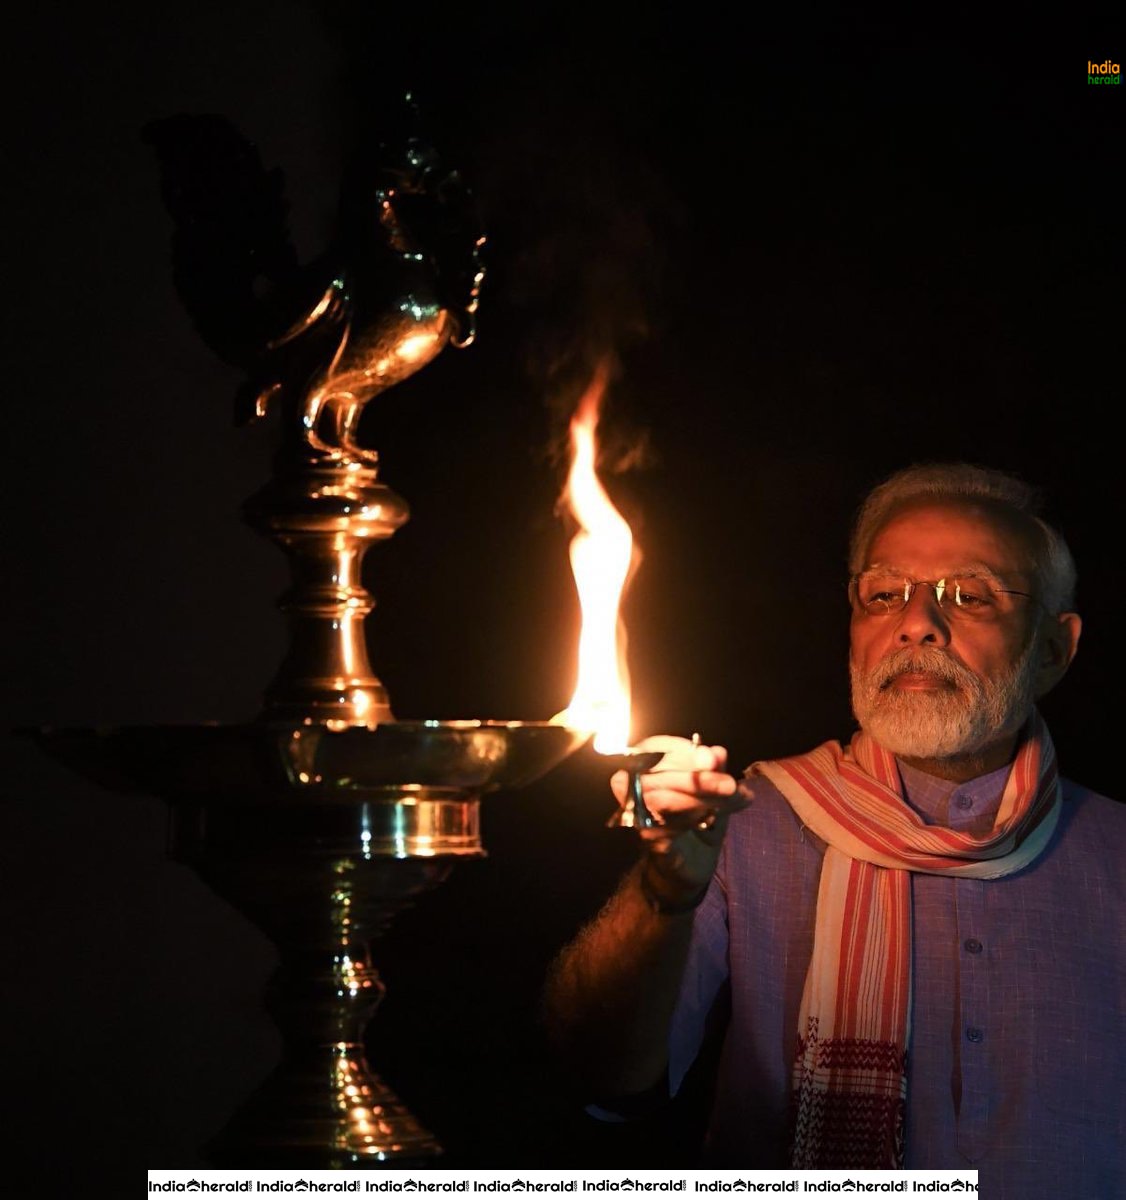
[977, 570]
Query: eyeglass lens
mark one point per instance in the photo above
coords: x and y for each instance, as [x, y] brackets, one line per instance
[879, 593]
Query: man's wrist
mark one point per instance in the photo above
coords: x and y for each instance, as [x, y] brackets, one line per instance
[666, 896]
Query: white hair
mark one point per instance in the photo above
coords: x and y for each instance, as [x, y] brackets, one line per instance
[959, 481]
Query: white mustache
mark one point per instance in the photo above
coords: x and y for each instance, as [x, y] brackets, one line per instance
[925, 661]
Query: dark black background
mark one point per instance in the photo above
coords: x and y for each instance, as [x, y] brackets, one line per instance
[819, 247]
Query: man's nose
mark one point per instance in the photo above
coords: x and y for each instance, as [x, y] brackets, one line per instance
[923, 619]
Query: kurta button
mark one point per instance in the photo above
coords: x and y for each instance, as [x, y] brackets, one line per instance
[964, 802]
[973, 1034]
[972, 945]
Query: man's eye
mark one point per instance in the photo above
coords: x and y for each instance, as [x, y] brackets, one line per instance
[879, 591]
[973, 595]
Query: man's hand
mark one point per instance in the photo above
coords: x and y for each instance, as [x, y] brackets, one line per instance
[691, 797]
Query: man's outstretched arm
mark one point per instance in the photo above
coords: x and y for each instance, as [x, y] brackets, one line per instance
[611, 992]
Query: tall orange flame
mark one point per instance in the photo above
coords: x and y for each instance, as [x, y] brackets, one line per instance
[601, 558]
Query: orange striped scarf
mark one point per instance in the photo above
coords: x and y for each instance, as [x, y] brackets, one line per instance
[850, 1074]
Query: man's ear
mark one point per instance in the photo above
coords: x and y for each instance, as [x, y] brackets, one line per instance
[1059, 639]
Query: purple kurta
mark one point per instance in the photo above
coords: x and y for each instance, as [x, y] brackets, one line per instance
[1017, 1053]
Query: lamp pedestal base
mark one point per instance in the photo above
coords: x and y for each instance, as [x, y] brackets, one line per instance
[320, 837]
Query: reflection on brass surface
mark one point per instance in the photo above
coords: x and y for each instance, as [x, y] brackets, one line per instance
[325, 518]
[320, 836]
[324, 816]
[285, 764]
[398, 281]
[316, 894]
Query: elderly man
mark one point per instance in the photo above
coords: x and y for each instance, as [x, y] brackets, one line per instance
[913, 946]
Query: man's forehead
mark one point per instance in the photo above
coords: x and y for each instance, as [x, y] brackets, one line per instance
[970, 533]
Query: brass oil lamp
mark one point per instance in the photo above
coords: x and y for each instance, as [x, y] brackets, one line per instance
[323, 816]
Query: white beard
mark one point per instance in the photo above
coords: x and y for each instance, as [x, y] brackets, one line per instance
[948, 722]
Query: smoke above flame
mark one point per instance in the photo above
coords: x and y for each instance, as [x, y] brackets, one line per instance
[602, 561]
